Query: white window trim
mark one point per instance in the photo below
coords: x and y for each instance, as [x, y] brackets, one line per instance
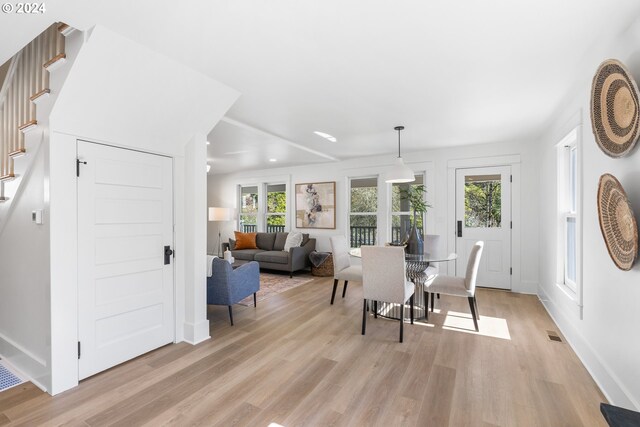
[573, 290]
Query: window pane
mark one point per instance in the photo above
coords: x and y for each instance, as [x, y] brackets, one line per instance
[276, 198]
[570, 266]
[398, 203]
[275, 223]
[249, 199]
[364, 195]
[482, 201]
[248, 223]
[401, 226]
[363, 229]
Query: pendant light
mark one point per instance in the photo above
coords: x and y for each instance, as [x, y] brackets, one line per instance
[400, 172]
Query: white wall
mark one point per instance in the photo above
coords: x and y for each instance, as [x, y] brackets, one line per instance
[222, 191]
[122, 94]
[604, 330]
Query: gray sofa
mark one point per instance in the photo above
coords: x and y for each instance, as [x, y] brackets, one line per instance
[271, 255]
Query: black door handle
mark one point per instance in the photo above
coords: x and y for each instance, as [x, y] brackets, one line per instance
[167, 255]
[459, 228]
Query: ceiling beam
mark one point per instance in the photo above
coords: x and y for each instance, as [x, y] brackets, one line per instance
[279, 138]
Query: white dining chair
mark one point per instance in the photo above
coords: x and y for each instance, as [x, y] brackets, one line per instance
[384, 279]
[460, 286]
[342, 268]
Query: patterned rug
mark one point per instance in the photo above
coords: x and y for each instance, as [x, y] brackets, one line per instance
[272, 284]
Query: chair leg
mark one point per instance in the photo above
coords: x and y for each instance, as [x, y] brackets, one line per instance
[438, 296]
[364, 316]
[426, 305]
[433, 299]
[473, 313]
[475, 302]
[335, 287]
[344, 290]
[411, 308]
[375, 309]
[231, 315]
[255, 301]
[401, 321]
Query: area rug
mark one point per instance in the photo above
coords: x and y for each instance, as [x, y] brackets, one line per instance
[272, 284]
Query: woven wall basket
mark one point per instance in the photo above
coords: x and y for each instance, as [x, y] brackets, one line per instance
[615, 112]
[617, 222]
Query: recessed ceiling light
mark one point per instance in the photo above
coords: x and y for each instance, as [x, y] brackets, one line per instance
[208, 143]
[273, 160]
[326, 136]
[230, 153]
[208, 168]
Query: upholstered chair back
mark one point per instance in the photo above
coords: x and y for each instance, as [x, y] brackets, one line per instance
[472, 266]
[384, 273]
[340, 250]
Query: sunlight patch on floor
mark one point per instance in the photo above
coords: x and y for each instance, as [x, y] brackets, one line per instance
[494, 327]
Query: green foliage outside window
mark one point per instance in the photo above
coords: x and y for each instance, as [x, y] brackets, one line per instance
[276, 203]
[483, 204]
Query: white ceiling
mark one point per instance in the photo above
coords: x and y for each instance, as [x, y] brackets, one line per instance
[452, 72]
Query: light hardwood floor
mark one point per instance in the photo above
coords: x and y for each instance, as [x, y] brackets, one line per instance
[295, 360]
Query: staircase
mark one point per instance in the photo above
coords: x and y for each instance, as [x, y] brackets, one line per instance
[25, 85]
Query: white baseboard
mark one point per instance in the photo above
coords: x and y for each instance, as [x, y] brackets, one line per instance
[29, 365]
[195, 333]
[609, 383]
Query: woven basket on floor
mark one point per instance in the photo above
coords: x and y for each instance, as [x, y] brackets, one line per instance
[325, 269]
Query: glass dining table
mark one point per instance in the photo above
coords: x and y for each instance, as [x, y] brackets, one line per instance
[417, 266]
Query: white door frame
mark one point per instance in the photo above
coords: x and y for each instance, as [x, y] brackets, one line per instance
[514, 162]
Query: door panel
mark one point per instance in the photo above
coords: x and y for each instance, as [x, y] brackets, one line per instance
[125, 291]
[483, 212]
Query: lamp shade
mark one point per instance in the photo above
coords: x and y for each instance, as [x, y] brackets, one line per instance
[399, 172]
[219, 214]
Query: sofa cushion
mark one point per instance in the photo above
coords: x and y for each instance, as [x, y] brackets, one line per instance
[276, 257]
[265, 241]
[245, 240]
[281, 238]
[246, 254]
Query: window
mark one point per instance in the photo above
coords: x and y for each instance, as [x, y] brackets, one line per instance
[402, 211]
[568, 193]
[276, 214]
[249, 209]
[363, 211]
[482, 201]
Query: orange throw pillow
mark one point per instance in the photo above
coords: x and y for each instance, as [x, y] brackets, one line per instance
[245, 240]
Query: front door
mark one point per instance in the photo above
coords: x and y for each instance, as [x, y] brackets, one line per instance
[125, 284]
[483, 212]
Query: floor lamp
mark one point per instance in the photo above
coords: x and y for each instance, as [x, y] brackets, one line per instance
[219, 215]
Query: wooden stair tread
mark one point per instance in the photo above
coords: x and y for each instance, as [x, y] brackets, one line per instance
[26, 127]
[7, 177]
[55, 59]
[17, 153]
[43, 92]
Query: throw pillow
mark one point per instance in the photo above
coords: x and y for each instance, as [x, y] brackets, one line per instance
[294, 239]
[245, 240]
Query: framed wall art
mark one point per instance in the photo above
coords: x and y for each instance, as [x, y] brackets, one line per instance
[316, 205]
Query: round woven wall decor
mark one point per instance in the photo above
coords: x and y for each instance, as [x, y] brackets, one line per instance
[615, 110]
[617, 222]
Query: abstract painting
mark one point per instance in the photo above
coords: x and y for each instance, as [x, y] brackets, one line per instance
[316, 205]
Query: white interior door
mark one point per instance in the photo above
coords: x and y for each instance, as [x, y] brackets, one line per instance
[125, 287]
[483, 212]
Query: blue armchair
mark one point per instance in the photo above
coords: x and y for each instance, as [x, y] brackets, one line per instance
[227, 286]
